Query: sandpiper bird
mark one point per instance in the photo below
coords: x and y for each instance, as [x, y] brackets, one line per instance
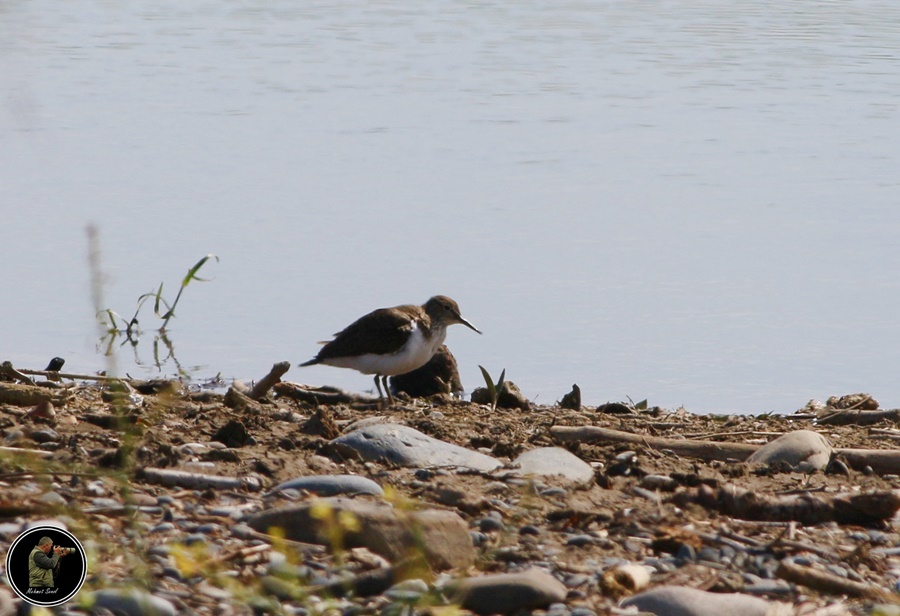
[392, 341]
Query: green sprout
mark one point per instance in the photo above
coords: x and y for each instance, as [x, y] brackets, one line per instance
[493, 389]
[160, 300]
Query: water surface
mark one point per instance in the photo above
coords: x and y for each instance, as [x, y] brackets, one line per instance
[691, 202]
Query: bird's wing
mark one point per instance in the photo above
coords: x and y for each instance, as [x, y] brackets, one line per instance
[381, 332]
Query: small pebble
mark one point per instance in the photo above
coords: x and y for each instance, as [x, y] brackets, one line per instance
[685, 553]
[557, 609]
[163, 527]
[478, 538]
[553, 492]
[768, 587]
[45, 435]
[407, 591]
[580, 540]
[53, 499]
[709, 554]
[490, 524]
[194, 539]
[529, 529]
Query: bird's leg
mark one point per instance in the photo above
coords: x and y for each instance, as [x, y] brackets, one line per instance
[378, 387]
[387, 388]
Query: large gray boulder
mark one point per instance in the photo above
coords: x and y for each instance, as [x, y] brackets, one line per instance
[505, 593]
[554, 461]
[406, 446]
[802, 450]
[685, 601]
[441, 536]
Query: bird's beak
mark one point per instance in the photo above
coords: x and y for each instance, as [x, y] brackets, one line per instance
[469, 325]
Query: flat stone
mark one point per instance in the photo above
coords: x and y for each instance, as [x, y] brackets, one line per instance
[406, 446]
[505, 593]
[684, 601]
[802, 450]
[130, 602]
[442, 536]
[555, 461]
[332, 485]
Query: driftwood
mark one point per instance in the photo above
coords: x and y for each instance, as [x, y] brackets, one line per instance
[198, 481]
[30, 395]
[238, 401]
[8, 371]
[267, 382]
[55, 376]
[320, 395]
[859, 418]
[881, 461]
[829, 583]
[807, 508]
[16, 451]
[704, 450]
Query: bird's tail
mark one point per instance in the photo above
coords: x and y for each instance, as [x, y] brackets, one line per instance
[312, 362]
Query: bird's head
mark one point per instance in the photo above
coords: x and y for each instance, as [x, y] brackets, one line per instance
[443, 311]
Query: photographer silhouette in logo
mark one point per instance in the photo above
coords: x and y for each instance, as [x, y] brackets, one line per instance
[41, 564]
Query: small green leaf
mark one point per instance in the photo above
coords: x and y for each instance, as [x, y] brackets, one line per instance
[492, 390]
[192, 273]
[158, 300]
[641, 406]
[110, 321]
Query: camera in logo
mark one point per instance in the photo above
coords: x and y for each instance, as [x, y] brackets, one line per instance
[46, 565]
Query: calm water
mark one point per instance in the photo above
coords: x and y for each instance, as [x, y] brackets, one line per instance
[694, 202]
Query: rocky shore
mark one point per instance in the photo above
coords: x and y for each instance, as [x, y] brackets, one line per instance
[285, 499]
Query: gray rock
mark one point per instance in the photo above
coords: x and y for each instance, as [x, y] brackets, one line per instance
[45, 435]
[490, 524]
[47, 522]
[53, 499]
[332, 485]
[802, 450]
[406, 446]
[684, 601]
[556, 461]
[441, 536]
[130, 602]
[664, 483]
[506, 593]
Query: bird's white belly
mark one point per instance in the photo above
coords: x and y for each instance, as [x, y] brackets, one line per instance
[414, 354]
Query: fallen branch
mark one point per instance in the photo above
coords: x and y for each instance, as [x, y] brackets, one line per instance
[26, 452]
[808, 509]
[52, 374]
[320, 395]
[705, 450]
[829, 583]
[7, 370]
[198, 481]
[859, 418]
[267, 382]
[882, 461]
